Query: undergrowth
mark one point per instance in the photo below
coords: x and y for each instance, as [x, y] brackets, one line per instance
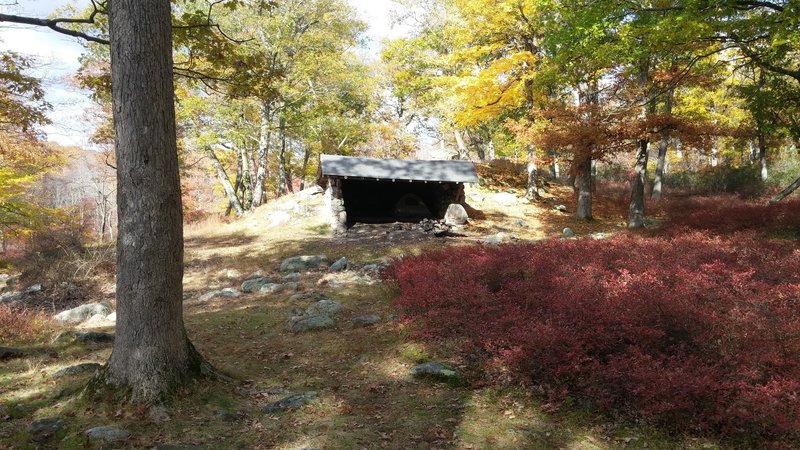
[687, 331]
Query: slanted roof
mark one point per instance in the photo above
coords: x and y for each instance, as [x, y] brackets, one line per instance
[449, 171]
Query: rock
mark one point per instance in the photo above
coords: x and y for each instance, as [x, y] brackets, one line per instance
[79, 369]
[158, 414]
[276, 218]
[308, 296]
[291, 277]
[255, 284]
[8, 297]
[310, 192]
[33, 289]
[10, 353]
[112, 317]
[273, 288]
[568, 232]
[339, 265]
[43, 429]
[521, 223]
[561, 208]
[302, 263]
[84, 337]
[83, 312]
[599, 236]
[496, 239]
[230, 273]
[455, 215]
[107, 434]
[302, 323]
[324, 307]
[505, 199]
[365, 320]
[227, 292]
[290, 402]
[435, 370]
[291, 286]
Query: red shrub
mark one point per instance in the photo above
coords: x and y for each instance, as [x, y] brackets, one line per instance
[17, 324]
[725, 214]
[685, 331]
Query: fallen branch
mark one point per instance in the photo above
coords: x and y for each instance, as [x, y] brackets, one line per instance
[784, 193]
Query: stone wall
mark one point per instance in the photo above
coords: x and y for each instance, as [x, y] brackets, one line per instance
[334, 206]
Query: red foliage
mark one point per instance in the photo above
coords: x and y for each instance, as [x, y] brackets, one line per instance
[692, 330]
[726, 214]
[19, 324]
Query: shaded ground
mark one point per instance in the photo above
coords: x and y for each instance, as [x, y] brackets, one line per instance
[366, 397]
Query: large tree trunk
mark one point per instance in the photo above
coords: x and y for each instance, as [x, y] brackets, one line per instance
[663, 146]
[784, 193]
[532, 191]
[583, 186]
[237, 186]
[461, 146]
[636, 207]
[230, 191]
[152, 354]
[283, 170]
[264, 138]
[247, 182]
[762, 152]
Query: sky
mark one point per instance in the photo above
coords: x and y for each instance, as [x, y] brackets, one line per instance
[57, 58]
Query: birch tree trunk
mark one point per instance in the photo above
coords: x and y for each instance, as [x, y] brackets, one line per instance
[264, 138]
[152, 354]
[283, 172]
[230, 191]
[532, 191]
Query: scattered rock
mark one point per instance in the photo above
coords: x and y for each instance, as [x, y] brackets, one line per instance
[294, 276]
[561, 208]
[324, 307]
[347, 278]
[8, 297]
[112, 317]
[84, 337]
[230, 273]
[10, 353]
[227, 292]
[455, 215]
[255, 284]
[435, 370]
[568, 232]
[365, 320]
[599, 236]
[32, 289]
[505, 199]
[79, 369]
[43, 429]
[339, 265]
[107, 434]
[274, 288]
[522, 224]
[496, 239]
[297, 324]
[83, 312]
[308, 296]
[290, 402]
[302, 263]
[97, 319]
[158, 414]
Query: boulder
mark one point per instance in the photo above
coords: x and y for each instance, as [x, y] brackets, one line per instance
[291, 402]
[255, 284]
[10, 353]
[297, 324]
[32, 289]
[43, 429]
[455, 215]
[78, 369]
[158, 414]
[308, 296]
[83, 312]
[365, 320]
[568, 232]
[303, 263]
[227, 292]
[112, 317]
[276, 218]
[599, 236]
[496, 239]
[339, 265]
[84, 337]
[107, 434]
[505, 199]
[291, 277]
[324, 307]
[561, 208]
[435, 370]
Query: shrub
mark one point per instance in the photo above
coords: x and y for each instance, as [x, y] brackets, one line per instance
[18, 324]
[725, 214]
[688, 331]
[744, 181]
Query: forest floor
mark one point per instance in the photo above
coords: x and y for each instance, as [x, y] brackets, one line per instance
[366, 396]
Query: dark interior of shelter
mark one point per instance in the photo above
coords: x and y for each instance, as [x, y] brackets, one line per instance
[383, 201]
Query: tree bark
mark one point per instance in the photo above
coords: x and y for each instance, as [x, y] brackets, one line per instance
[263, 150]
[152, 354]
[461, 146]
[636, 207]
[663, 145]
[532, 191]
[247, 181]
[784, 193]
[583, 185]
[762, 152]
[230, 191]
[306, 157]
[283, 171]
[237, 185]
